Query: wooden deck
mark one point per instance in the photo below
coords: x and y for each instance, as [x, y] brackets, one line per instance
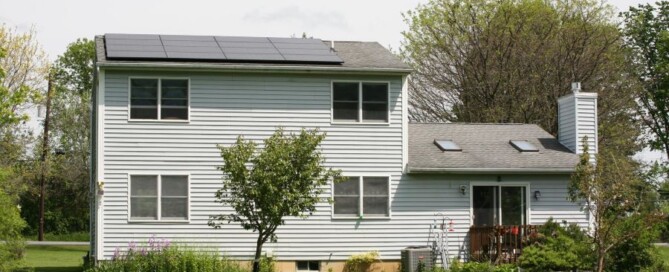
[499, 244]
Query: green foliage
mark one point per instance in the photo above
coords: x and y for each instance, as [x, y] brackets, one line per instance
[285, 178]
[69, 169]
[160, 256]
[509, 61]
[457, 266]
[362, 262]
[11, 224]
[636, 253]
[619, 200]
[10, 100]
[267, 264]
[558, 248]
[646, 30]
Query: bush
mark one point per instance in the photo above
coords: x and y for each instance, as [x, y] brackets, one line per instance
[557, 248]
[361, 262]
[159, 255]
[11, 225]
[481, 267]
[637, 252]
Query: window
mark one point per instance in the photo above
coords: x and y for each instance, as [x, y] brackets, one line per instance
[158, 197]
[360, 102]
[499, 205]
[447, 145]
[158, 99]
[524, 146]
[372, 202]
[308, 266]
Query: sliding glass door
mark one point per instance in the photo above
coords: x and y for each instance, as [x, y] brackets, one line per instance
[499, 205]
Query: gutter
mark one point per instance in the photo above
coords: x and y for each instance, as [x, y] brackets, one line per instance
[252, 68]
[539, 170]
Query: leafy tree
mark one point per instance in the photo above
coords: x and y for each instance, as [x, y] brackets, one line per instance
[646, 31]
[615, 195]
[10, 100]
[69, 166]
[285, 178]
[509, 61]
[11, 224]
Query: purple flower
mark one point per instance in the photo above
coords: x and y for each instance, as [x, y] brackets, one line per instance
[117, 254]
[132, 246]
[166, 243]
[143, 251]
[153, 243]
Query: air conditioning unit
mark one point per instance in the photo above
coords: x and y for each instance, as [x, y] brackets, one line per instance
[412, 256]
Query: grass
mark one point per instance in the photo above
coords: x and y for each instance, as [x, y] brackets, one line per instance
[70, 237]
[55, 258]
[664, 253]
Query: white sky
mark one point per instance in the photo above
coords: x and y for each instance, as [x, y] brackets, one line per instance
[61, 22]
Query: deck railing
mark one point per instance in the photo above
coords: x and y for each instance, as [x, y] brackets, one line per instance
[499, 244]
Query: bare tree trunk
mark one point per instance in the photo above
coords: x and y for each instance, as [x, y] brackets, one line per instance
[600, 261]
[256, 259]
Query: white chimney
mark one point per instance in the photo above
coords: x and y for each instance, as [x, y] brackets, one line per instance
[577, 118]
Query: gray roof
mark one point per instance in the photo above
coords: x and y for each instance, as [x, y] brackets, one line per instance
[357, 56]
[486, 149]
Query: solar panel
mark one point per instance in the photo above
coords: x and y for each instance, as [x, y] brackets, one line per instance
[523, 146]
[447, 145]
[219, 48]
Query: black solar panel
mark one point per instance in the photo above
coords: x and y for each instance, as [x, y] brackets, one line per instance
[181, 47]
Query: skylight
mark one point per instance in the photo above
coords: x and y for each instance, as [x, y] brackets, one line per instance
[523, 146]
[447, 145]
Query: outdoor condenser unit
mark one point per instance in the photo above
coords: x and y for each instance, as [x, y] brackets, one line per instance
[411, 256]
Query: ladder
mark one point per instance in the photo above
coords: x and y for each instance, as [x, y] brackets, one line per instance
[438, 238]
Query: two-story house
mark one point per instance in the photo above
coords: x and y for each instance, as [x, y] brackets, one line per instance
[162, 104]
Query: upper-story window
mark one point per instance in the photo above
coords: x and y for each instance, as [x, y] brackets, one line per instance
[158, 99]
[365, 102]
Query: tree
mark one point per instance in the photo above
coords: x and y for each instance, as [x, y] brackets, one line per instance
[510, 60]
[616, 197]
[69, 169]
[646, 31]
[286, 178]
[11, 224]
[25, 67]
[10, 100]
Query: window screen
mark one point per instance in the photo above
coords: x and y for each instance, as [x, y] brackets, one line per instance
[347, 197]
[308, 266]
[143, 98]
[174, 99]
[375, 102]
[345, 100]
[375, 196]
[144, 197]
[158, 197]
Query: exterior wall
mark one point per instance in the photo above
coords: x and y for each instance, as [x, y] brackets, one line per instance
[419, 197]
[567, 123]
[223, 106]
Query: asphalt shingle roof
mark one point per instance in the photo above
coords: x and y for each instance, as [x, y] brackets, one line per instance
[486, 147]
[355, 54]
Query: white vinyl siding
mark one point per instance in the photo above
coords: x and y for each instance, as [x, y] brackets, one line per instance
[225, 105]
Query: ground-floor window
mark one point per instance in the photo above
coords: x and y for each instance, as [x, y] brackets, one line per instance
[362, 196]
[310, 266]
[158, 197]
[499, 205]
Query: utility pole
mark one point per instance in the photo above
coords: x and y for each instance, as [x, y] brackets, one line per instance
[45, 152]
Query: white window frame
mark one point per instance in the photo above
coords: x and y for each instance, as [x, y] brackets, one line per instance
[159, 102]
[528, 199]
[159, 196]
[361, 195]
[359, 121]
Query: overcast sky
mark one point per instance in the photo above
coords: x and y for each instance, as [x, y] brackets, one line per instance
[60, 22]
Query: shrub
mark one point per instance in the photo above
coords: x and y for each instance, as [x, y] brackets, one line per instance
[456, 266]
[361, 262]
[636, 252]
[11, 224]
[159, 255]
[557, 248]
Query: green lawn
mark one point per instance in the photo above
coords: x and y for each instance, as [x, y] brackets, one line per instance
[75, 236]
[664, 252]
[55, 258]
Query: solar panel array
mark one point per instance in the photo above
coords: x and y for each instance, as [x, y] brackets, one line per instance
[217, 48]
